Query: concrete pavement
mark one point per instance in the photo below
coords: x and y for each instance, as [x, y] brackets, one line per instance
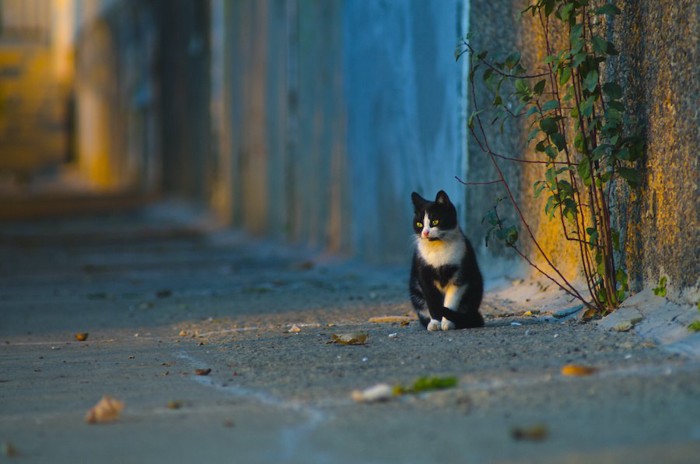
[162, 294]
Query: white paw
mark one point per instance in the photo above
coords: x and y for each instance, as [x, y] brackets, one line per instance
[433, 325]
[448, 324]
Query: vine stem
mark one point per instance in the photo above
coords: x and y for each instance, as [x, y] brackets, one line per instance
[564, 284]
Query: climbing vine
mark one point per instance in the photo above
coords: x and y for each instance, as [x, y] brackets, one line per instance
[577, 131]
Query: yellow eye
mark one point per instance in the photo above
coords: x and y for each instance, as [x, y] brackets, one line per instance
[419, 224]
[435, 222]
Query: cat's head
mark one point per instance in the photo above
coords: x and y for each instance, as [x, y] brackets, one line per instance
[433, 220]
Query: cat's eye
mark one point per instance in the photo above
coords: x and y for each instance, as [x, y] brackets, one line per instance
[434, 222]
[419, 224]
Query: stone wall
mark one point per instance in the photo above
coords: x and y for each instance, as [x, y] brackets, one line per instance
[657, 69]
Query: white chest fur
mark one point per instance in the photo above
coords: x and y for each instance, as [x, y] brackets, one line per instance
[448, 251]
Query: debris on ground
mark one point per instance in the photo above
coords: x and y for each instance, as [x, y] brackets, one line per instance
[391, 319]
[10, 450]
[174, 404]
[426, 383]
[294, 329]
[536, 432]
[202, 371]
[81, 336]
[577, 370]
[379, 392]
[107, 409]
[355, 338]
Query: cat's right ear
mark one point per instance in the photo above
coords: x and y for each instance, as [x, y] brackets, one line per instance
[418, 201]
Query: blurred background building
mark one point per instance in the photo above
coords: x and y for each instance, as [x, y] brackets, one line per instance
[309, 121]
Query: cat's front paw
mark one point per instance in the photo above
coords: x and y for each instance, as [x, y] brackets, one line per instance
[433, 325]
[447, 324]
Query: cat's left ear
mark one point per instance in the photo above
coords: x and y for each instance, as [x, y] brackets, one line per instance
[418, 202]
[442, 198]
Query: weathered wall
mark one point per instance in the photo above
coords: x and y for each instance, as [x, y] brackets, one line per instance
[657, 69]
[657, 66]
[116, 94]
[334, 112]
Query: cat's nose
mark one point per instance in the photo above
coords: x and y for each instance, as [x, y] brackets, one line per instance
[426, 233]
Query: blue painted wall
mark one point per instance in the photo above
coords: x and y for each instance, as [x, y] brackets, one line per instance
[338, 110]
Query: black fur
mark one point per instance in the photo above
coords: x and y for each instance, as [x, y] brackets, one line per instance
[424, 293]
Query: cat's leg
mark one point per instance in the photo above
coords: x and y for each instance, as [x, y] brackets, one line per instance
[453, 297]
[433, 300]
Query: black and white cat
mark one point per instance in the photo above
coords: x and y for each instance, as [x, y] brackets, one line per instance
[445, 284]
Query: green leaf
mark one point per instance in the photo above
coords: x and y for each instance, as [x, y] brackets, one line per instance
[617, 105]
[565, 11]
[631, 175]
[549, 126]
[584, 171]
[487, 74]
[612, 90]
[577, 59]
[550, 105]
[508, 235]
[539, 87]
[591, 80]
[550, 151]
[608, 9]
[660, 289]
[564, 75]
[521, 86]
[600, 45]
[533, 133]
[472, 117]
[570, 209]
[565, 189]
[548, 7]
[550, 206]
[423, 384]
[694, 326]
[538, 187]
[512, 60]
[559, 141]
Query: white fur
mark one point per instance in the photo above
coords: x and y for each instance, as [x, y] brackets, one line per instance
[453, 295]
[447, 324]
[433, 325]
[449, 249]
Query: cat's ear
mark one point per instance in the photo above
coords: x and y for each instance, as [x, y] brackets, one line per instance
[441, 198]
[418, 201]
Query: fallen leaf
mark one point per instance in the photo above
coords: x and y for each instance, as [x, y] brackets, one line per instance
[577, 370]
[357, 338]
[165, 293]
[532, 433]
[173, 404]
[426, 383]
[202, 371]
[390, 319]
[294, 329]
[379, 392]
[183, 333]
[589, 314]
[81, 336]
[107, 409]
[9, 450]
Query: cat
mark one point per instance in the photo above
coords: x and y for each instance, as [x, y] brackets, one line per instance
[445, 285]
